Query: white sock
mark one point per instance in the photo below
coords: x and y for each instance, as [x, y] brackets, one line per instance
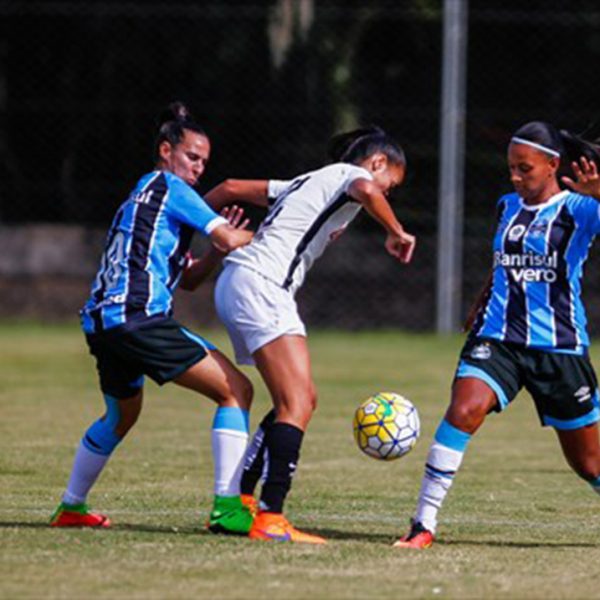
[442, 464]
[444, 459]
[87, 466]
[229, 438]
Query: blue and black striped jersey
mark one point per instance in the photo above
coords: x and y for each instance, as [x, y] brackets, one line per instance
[144, 253]
[539, 253]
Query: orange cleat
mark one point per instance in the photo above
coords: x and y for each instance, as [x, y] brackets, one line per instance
[275, 527]
[250, 502]
[418, 538]
[77, 515]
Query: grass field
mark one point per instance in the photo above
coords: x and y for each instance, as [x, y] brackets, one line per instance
[517, 524]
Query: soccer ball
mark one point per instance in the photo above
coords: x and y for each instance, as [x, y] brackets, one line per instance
[386, 426]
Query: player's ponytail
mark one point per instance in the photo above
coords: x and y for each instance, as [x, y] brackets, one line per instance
[576, 147]
[172, 122]
[355, 146]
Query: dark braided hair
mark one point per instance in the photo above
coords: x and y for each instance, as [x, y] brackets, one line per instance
[172, 123]
[355, 146]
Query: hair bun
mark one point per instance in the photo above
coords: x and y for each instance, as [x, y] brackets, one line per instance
[176, 111]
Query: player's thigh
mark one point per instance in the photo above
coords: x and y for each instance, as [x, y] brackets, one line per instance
[218, 378]
[488, 378]
[284, 364]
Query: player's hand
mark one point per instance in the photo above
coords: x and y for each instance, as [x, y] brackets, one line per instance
[587, 178]
[235, 215]
[401, 246]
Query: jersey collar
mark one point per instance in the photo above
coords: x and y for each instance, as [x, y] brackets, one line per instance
[551, 200]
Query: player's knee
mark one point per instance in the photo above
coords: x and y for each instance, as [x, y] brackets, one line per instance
[466, 415]
[245, 393]
[240, 394]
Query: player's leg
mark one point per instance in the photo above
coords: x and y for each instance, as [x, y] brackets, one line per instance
[565, 390]
[217, 378]
[487, 379]
[472, 399]
[581, 448]
[255, 463]
[284, 364]
[92, 455]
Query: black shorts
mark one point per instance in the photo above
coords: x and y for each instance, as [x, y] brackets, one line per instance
[563, 386]
[161, 349]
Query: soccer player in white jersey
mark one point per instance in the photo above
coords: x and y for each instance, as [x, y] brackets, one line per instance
[530, 326]
[255, 295]
[130, 330]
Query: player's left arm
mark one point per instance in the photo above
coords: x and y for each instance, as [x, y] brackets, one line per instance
[399, 243]
[197, 270]
[253, 191]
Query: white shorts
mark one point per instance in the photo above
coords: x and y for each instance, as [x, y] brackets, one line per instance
[255, 310]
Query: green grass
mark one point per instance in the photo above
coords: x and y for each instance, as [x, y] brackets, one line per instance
[517, 524]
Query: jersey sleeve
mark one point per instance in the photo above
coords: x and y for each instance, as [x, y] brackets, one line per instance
[354, 174]
[187, 206]
[586, 211]
[276, 187]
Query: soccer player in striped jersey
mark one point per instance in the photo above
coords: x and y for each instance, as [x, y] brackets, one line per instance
[255, 296]
[130, 330]
[530, 326]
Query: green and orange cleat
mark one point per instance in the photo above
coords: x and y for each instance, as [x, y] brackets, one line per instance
[77, 515]
[417, 538]
[251, 503]
[274, 527]
[230, 515]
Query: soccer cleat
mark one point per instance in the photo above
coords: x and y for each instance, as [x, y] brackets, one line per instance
[418, 537]
[77, 515]
[274, 527]
[250, 502]
[229, 516]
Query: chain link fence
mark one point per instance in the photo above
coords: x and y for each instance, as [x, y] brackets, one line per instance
[81, 84]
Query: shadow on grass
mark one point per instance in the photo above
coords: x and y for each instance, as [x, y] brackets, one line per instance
[330, 534]
[386, 538]
[113, 528]
[508, 544]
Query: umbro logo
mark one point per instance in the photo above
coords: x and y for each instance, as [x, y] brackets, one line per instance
[583, 394]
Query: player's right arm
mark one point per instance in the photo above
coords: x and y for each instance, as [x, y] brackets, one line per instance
[478, 303]
[399, 244]
[253, 191]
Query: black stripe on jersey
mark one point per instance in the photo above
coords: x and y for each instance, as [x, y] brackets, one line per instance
[516, 310]
[98, 295]
[480, 317]
[138, 283]
[176, 260]
[311, 233]
[561, 234]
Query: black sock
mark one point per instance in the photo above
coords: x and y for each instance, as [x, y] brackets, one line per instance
[254, 459]
[283, 443]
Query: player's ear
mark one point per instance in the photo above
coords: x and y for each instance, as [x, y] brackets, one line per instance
[165, 150]
[379, 162]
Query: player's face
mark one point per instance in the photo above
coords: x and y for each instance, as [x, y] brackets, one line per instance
[188, 158]
[386, 175]
[532, 172]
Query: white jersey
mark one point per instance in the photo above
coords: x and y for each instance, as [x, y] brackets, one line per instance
[308, 213]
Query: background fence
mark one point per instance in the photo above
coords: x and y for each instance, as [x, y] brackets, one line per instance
[81, 84]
